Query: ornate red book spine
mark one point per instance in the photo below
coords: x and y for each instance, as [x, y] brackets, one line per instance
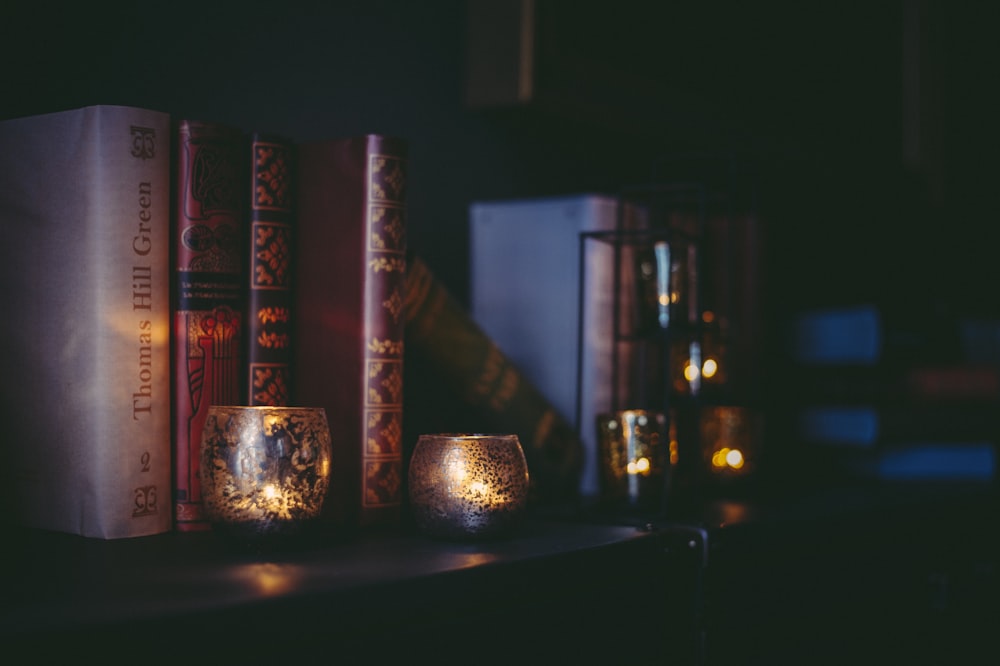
[209, 229]
[348, 316]
[269, 278]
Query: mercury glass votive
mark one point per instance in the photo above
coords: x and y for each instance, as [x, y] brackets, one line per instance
[468, 486]
[634, 451]
[265, 471]
[730, 439]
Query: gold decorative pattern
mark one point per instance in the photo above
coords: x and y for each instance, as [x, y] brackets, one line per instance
[273, 315]
[394, 305]
[274, 333]
[389, 229]
[270, 385]
[384, 433]
[272, 187]
[386, 347]
[383, 483]
[388, 178]
[271, 250]
[386, 263]
[385, 383]
[272, 255]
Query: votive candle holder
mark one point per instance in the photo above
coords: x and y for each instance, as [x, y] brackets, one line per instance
[264, 471]
[468, 486]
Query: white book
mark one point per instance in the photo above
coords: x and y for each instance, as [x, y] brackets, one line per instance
[525, 272]
[84, 210]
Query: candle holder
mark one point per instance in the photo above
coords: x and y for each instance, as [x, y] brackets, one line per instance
[730, 439]
[265, 471]
[635, 455]
[468, 486]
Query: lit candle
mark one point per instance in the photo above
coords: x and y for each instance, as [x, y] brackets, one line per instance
[467, 485]
[265, 471]
[633, 457]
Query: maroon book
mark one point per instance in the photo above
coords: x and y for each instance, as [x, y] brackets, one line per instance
[208, 296]
[269, 278]
[349, 316]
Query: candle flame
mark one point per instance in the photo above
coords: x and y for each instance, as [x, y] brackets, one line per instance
[640, 466]
[726, 457]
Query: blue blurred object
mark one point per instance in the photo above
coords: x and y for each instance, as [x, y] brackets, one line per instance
[850, 335]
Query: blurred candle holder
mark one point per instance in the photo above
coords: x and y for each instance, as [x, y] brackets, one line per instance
[265, 471]
[468, 486]
[730, 439]
[635, 458]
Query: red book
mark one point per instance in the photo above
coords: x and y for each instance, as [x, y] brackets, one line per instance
[208, 235]
[919, 383]
[349, 316]
[269, 278]
[957, 381]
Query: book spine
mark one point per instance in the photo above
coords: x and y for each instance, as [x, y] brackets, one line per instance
[384, 325]
[209, 307]
[881, 385]
[134, 471]
[269, 278]
[349, 320]
[87, 390]
[963, 381]
[963, 461]
[869, 426]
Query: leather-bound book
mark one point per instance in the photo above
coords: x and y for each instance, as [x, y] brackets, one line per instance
[85, 350]
[469, 363]
[208, 235]
[269, 278]
[348, 317]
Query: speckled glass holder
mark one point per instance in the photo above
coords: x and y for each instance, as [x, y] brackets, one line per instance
[468, 486]
[265, 471]
[633, 450]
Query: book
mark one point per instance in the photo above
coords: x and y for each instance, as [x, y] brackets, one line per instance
[871, 426]
[84, 207]
[965, 462]
[208, 232]
[890, 384]
[868, 334]
[888, 397]
[494, 393]
[849, 335]
[269, 275]
[528, 265]
[972, 381]
[348, 316]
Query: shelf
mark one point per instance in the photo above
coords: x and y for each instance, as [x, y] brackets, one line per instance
[388, 593]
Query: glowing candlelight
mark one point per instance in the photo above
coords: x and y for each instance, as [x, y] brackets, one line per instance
[467, 486]
[634, 456]
[264, 471]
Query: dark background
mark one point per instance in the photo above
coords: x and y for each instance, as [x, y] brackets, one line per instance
[808, 99]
